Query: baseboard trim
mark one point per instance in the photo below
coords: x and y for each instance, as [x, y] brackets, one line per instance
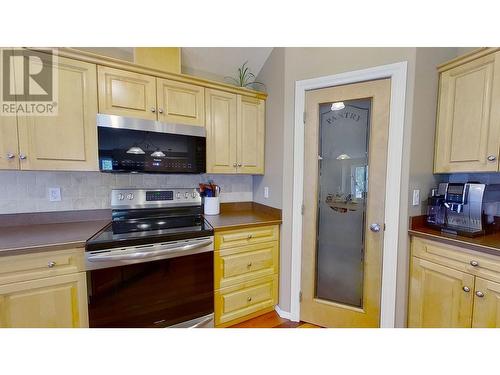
[283, 314]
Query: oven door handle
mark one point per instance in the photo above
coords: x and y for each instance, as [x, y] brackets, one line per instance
[148, 254]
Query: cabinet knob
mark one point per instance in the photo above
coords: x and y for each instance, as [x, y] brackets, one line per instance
[160, 110]
[23, 157]
[250, 236]
[10, 155]
[480, 294]
[51, 264]
[153, 109]
[249, 265]
[492, 158]
[466, 289]
[249, 299]
[235, 165]
[474, 263]
[239, 164]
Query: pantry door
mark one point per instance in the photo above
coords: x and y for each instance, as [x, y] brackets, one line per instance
[345, 165]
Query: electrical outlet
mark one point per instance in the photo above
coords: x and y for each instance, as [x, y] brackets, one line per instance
[266, 192]
[55, 194]
[416, 197]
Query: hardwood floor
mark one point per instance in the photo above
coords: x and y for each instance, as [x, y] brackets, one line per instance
[272, 320]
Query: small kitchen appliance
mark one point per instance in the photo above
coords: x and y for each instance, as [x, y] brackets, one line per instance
[152, 266]
[468, 209]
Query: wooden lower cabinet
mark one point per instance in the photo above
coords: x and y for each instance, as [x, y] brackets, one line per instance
[486, 304]
[53, 302]
[448, 291]
[437, 296]
[246, 273]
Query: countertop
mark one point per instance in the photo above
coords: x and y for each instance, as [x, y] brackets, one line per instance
[25, 233]
[489, 243]
[243, 215]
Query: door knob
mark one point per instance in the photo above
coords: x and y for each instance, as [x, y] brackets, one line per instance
[492, 158]
[480, 294]
[375, 227]
[10, 155]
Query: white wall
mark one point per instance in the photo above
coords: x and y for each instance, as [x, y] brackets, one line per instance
[23, 191]
[272, 75]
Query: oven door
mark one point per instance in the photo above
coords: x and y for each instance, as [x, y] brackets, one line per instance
[159, 290]
[137, 145]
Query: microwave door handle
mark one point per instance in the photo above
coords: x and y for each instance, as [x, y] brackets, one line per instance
[148, 254]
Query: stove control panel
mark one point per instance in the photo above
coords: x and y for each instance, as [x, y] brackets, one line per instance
[145, 198]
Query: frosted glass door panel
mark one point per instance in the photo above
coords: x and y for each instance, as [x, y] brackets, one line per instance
[343, 184]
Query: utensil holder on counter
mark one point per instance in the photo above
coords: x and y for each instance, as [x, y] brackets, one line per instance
[211, 205]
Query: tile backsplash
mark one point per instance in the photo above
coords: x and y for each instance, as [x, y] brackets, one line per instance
[24, 191]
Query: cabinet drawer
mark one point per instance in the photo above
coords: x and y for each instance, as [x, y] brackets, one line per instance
[39, 265]
[233, 266]
[246, 298]
[485, 265]
[249, 236]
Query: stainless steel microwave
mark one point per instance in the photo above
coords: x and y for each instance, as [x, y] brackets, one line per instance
[130, 145]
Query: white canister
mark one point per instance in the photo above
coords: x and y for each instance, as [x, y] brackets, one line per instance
[212, 205]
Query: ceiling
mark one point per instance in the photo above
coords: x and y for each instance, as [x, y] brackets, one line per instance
[209, 62]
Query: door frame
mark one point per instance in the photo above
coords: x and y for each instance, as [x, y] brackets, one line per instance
[397, 72]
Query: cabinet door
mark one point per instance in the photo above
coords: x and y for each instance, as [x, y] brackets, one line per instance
[440, 297]
[486, 304]
[468, 120]
[67, 141]
[53, 302]
[180, 103]
[126, 94]
[220, 111]
[9, 148]
[251, 135]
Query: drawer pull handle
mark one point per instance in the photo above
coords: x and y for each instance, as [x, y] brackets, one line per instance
[474, 263]
[250, 236]
[249, 299]
[249, 264]
[466, 289]
[480, 294]
[51, 264]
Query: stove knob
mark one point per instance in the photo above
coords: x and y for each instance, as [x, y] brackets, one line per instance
[195, 194]
[186, 195]
[121, 196]
[178, 195]
[130, 196]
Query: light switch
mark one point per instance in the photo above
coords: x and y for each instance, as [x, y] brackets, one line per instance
[266, 192]
[55, 194]
[416, 197]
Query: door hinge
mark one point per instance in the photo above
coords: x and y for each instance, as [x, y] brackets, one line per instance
[302, 209]
[384, 227]
[300, 296]
[304, 118]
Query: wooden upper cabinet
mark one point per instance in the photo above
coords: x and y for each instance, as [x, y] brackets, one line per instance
[126, 94]
[52, 302]
[180, 102]
[220, 111]
[251, 135]
[486, 304]
[67, 141]
[9, 147]
[437, 296]
[468, 118]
